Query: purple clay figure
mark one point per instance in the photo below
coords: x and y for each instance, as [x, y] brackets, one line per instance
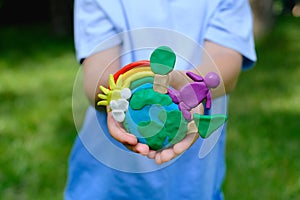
[192, 94]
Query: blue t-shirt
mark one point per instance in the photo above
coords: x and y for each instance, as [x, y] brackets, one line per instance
[102, 168]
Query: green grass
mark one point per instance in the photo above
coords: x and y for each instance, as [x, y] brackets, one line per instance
[37, 131]
[263, 157]
[36, 127]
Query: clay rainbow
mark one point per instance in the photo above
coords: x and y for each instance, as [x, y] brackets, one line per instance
[135, 74]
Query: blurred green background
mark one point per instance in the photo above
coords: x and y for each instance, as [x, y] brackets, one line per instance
[263, 149]
[37, 73]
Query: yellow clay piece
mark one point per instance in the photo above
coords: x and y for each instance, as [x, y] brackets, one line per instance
[133, 71]
[113, 93]
[136, 76]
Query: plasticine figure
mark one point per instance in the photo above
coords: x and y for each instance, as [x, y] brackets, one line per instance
[162, 62]
[192, 94]
[136, 97]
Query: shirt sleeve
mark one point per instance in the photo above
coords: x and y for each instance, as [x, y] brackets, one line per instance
[91, 27]
[231, 26]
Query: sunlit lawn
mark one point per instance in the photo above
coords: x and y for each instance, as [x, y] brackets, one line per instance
[36, 126]
[37, 72]
[263, 149]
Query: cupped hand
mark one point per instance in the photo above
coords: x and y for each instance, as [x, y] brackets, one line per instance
[165, 155]
[118, 132]
[177, 149]
[129, 140]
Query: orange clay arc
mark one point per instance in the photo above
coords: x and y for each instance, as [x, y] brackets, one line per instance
[141, 63]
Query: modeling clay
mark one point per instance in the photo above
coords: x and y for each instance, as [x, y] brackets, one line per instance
[147, 97]
[140, 97]
[162, 62]
[192, 94]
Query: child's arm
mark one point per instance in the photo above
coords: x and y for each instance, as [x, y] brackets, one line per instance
[227, 64]
[96, 70]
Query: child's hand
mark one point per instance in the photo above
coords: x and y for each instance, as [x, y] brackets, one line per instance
[170, 153]
[129, 140]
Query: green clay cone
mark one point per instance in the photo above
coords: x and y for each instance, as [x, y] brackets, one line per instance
[207, 124]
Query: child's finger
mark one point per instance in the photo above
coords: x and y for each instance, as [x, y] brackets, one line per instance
[166, 155]
[142, 149]
[151, 154]
[185, 143]
[118, 132]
